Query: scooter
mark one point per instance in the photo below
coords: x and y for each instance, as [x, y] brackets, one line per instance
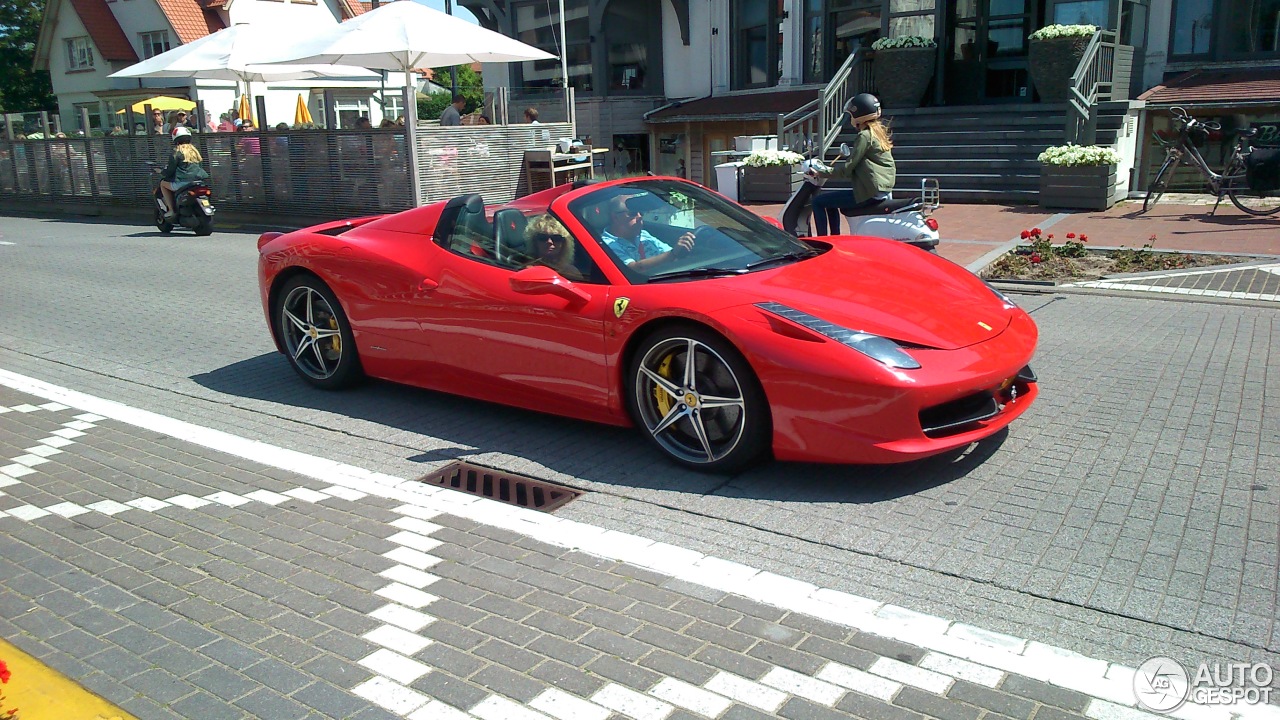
[905, 220]
[195, 210]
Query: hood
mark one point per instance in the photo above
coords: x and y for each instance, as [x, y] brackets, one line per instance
[888, 289]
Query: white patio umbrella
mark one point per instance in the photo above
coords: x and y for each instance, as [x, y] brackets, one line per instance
[402, 36]
[232, 54]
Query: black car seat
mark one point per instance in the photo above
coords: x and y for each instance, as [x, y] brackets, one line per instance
[448, 222]
[884, 207]
[509, 245]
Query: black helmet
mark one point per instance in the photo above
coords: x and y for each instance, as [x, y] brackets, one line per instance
[863, 107]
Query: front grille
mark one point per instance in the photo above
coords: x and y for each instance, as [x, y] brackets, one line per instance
[502, 486]
[951, 418]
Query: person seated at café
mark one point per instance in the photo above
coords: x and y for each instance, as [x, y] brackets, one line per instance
[452, 114]
[531, 116]
[626, 237]
[550, 244]
[363, 123]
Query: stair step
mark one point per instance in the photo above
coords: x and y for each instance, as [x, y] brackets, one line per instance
[904, 150]
[979, 122]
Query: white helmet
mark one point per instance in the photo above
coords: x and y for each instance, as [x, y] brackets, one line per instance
[181, 131]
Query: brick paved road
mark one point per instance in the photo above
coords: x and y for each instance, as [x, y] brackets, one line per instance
[178, 582]
[1132, 512]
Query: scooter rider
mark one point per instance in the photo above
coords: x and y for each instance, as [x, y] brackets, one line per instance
[183, 170]
[869, 166]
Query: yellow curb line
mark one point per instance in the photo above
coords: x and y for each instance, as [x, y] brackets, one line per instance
[41, 693]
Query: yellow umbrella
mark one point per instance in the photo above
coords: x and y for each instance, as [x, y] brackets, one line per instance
[301, 115]
[246, 108]
[161, 102]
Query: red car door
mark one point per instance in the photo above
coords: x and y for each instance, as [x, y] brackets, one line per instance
[543, 351]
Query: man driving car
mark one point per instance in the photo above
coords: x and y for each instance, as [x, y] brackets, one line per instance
[635, 246]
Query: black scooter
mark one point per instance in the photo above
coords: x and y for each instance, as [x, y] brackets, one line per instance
[195, 210]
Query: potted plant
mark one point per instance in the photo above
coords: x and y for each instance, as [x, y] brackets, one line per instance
[903, 68]
[1053, 55]
[1076, 176]
[770, 175]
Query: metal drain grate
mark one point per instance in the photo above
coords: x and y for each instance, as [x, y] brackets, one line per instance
[502, 486]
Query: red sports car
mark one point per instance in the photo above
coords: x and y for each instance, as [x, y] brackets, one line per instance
[659, 303]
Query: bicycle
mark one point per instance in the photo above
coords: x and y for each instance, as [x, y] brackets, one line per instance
[1232, 182]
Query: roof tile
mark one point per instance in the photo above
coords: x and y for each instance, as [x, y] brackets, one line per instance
[1217, 86]
[751, 106]
[190, 18]
[107, 35]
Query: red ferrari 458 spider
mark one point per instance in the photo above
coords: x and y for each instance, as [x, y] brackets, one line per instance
[659, 303]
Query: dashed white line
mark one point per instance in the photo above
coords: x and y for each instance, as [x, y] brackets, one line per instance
[859, 680]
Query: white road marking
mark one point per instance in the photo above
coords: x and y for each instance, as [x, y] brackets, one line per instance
[747, 692]
[148, 504]
[67, 509]
[500, 708]
[409, 576]
[436, 710]
[398, 639]
[804, 686]
[1037, 661]
[395, 666]
[109, 507]
[411, 557]
[690, 697]
[190, 502]
[962, 669]
[390, 695]
[911, 675]
[401, 616]
[560, 704]
[415, 541]
[631, 703]
[863, 682]
[307, 495]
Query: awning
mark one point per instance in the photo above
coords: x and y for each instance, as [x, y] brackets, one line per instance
[1218, 88]
[744, 106]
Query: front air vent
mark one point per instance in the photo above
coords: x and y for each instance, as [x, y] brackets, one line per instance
[510, 488]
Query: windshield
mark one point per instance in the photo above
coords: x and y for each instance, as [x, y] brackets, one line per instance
[659, 230]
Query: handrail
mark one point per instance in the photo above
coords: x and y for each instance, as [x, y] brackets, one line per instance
[1092, 79]
[812, 128]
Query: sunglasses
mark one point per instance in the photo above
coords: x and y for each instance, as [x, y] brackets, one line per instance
[628, 212]
[548, 237]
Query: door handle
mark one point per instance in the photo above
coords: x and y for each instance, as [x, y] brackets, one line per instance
[427, 285]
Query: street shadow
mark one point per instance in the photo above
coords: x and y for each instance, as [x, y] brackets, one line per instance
[577, 449]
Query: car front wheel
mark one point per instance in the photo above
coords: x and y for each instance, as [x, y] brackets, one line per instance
[315, 333]
[698, 400]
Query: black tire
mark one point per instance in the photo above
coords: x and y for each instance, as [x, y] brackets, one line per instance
[722, 437]
[163, 225]
[1160, 184]
[315, 333]
[1249, 201]
[205, 226]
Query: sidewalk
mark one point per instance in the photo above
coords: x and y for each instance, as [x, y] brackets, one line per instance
[971, 231]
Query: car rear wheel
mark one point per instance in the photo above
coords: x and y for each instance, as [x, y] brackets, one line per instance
[698, 400]
[315, 333]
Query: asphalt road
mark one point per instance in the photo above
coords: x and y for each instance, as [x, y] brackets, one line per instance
[1132, 512]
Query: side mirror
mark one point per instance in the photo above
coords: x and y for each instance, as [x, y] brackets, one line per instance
[542, 280]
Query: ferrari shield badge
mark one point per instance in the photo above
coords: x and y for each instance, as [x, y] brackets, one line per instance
[620, 306]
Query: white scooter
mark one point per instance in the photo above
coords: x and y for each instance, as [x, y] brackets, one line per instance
[905, 220]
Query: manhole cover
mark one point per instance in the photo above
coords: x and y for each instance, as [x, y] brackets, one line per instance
[510, 488]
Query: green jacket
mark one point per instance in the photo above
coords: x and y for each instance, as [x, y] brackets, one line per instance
[869, 167]
[178, 171]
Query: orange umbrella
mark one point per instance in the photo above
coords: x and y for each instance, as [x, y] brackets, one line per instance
[246, 108]
[301, 115]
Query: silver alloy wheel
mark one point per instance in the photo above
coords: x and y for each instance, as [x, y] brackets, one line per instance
[690, 400]
[312, 336]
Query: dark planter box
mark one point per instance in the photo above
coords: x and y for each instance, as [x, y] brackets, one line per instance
[1051, 63]
[1089, 187]
[770, 184]
[903, 74]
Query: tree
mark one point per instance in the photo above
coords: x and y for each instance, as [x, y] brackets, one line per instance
[22, 89]
[470, 86]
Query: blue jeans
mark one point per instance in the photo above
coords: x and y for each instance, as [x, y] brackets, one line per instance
[827, 205]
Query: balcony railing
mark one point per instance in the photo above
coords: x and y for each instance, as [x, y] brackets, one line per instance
[812, 128]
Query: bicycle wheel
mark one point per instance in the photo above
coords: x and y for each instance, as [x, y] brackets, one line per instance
[1160, 184]
[1248, 200]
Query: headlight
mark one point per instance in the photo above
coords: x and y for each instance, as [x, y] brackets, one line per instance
[882, 350]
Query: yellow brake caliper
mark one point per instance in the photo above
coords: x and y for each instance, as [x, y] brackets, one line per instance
[337, 339]
[660, 396]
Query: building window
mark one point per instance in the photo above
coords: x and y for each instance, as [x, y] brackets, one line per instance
[350, 109]
[79, 53]
[154, 43]
[1192, 27]
[1252, 28]
[757, 43]
[538, 24]
[911, 17]
[392, 105]
[634, 47]
[1081, 12]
